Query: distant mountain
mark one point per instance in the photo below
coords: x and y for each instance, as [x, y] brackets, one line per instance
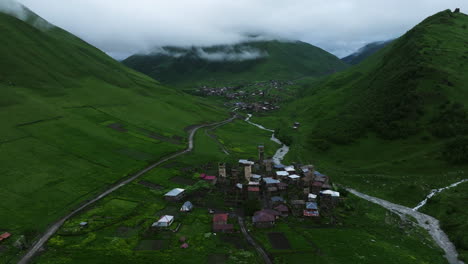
[365, 52]
[249, 61]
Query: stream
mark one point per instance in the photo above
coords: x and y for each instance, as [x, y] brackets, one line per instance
[427, 222]
[436, 191]
[282, 151]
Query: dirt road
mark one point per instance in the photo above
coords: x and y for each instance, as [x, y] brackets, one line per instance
[250, 239]
[55, 226]
[425, 221]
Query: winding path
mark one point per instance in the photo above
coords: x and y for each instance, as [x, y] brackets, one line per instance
[252, 241]
[55, 226]
[425, 221]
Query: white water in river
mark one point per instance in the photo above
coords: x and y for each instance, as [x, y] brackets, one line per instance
[282, 151]
[436, 191]
[427, 222]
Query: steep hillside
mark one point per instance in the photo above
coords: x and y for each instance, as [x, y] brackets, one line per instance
[396, 125]
[250, 61]
[405, 103]
[73, 120]
[365, 52]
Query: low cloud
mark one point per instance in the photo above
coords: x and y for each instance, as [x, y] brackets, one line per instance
[19, 11]
[246, 54]
[122, 27]
[13, 8]
[221, 53]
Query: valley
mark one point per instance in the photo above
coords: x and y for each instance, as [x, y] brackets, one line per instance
[212, 153]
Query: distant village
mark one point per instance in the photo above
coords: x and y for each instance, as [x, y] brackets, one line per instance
[282, 191]
[254, 97]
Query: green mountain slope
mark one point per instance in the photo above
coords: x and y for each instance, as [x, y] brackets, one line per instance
[263, 60]
[365, 52]
[404, 103]
[396, 125]
[73, 121]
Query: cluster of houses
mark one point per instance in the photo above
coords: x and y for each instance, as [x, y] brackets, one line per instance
[254, 97]
[307, 190]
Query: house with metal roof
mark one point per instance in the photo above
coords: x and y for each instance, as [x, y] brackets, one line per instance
[311, 209]
[175, 194]
[263, 219]
[282, 173]
[270, 181]
[331, 193]
[164, 221]
[187, 207]
[246, 162]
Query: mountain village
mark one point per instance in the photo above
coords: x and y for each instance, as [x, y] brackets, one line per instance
[282, 191]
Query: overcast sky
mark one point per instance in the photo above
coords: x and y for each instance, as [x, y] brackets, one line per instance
[124, 27]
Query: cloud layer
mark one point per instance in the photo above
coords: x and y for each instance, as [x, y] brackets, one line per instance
[122, 27]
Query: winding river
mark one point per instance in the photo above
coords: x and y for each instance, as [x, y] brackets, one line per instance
[436, 191]
[282, 151]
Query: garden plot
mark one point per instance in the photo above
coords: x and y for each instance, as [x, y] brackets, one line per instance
[279, 241]
[183, 180]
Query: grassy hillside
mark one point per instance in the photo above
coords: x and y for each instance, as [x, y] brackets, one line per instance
[189, 67]
[365, 52]
[389, 123]
[73, 121]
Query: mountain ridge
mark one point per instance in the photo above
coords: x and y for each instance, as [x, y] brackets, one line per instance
[272, 60]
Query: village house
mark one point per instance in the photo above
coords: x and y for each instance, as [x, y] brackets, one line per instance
[331, 193]
[277, 199]
[312, 197]
[175, 194]
[294, 178]
[282, 209]
[311, 209]
[210, 179]
[220, 223]
[83, 224]
[290, 169]
[282, 186]
[164, 221]
[273, 212]
[253, 190]
[256, 178]
[263, 219]
[282, 174]
[187, 207]
[270, 182]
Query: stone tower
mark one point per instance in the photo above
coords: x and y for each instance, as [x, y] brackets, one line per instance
[261, 153]
[268, 165]
[308, 174]
[222, 170]
[248, 172]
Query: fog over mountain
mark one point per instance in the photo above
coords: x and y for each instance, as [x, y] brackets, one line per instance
[122, 27]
